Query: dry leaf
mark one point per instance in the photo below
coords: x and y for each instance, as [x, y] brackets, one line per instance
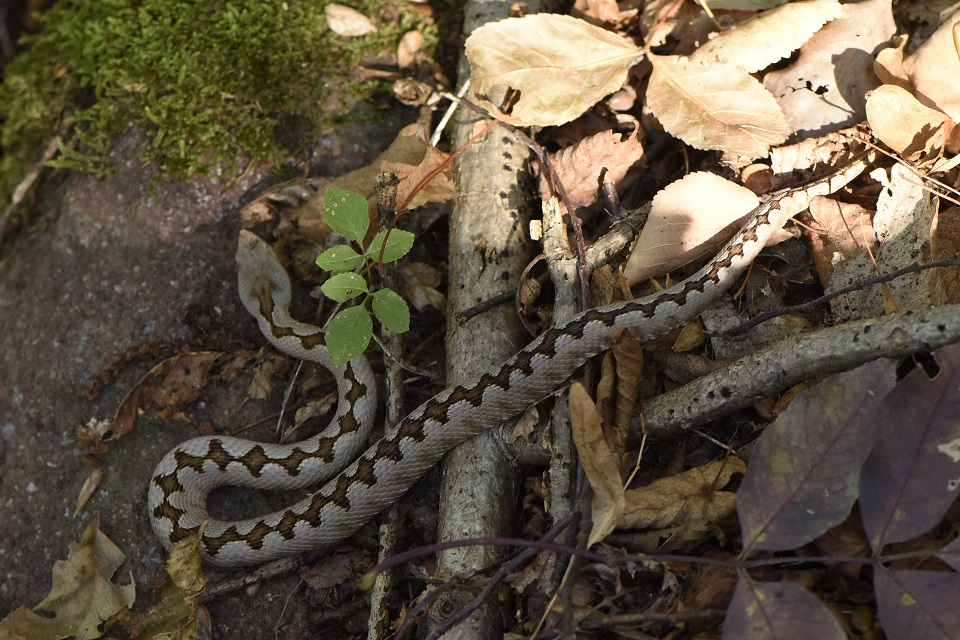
[89, 487]
[689, 497]
[578, 167]
[718, 107]
[771, 36]
[429, 180]
[843, 231]
[902, 122]
[169, 385]
[681, 229]
[599, 462]
[934, 68]
[83, 595]
[557, 82]
[408, 49]
[824, 88]
[348, 22]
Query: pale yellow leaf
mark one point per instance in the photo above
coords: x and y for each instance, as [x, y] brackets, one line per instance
[348, 22]
[771, 36]
[719, 107]
[561, 66]
[935, 66]
[682, 228]
[599, 462]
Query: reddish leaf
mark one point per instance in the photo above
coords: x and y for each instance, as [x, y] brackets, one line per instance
[910, 479]
[778, 610]
[951, 554]
[918, 605]
[802, 477]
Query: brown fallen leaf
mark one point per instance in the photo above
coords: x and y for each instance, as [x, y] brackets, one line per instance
[693, 496]
[578, 167]
[599, 462]
[84, 593]
[169, 385]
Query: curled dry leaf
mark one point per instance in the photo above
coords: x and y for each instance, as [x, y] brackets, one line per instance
[599, 462]
[903, 123]
[348, 22]
[935, 66]
[557, 82]
[681, 228]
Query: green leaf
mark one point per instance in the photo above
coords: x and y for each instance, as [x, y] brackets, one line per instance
[346, 213]
[339, 259]
[391, 310]
[348, 334]
[344, 286]
[398, 244]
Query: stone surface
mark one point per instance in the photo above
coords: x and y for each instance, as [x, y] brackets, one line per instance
[108, 265]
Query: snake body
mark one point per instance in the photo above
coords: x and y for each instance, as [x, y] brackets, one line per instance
[178, 492]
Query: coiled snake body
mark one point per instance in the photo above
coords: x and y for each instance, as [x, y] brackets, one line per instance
[184, 477]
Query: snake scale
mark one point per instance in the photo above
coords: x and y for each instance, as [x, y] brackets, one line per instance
[352, 494]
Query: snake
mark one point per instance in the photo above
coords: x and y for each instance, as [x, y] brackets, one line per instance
[356, 485]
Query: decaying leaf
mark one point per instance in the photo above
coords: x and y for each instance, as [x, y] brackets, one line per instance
[690, 498]
[557, 82]
[578, 167]
[169, 385]
[904, 123]
[934, 67]
[177, 615]
[906, 216]
[600, 463]
[84, 594]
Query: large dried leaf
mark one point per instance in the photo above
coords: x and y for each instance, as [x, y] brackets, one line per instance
[771, 36]
[910, 479]
[935, 66]
[561, 66]
[715, 107]
[689, 498]
[682, 228]
[824, 88]
[778, 611]
[83, 596]
[803, 475]
[917, 604]
[599, 463]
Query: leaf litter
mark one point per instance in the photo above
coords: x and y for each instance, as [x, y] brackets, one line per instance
[858, 464]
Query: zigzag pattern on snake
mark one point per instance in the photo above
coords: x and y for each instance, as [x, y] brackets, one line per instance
[183, 479]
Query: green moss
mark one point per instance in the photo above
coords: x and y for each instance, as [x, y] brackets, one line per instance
[209, 82]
